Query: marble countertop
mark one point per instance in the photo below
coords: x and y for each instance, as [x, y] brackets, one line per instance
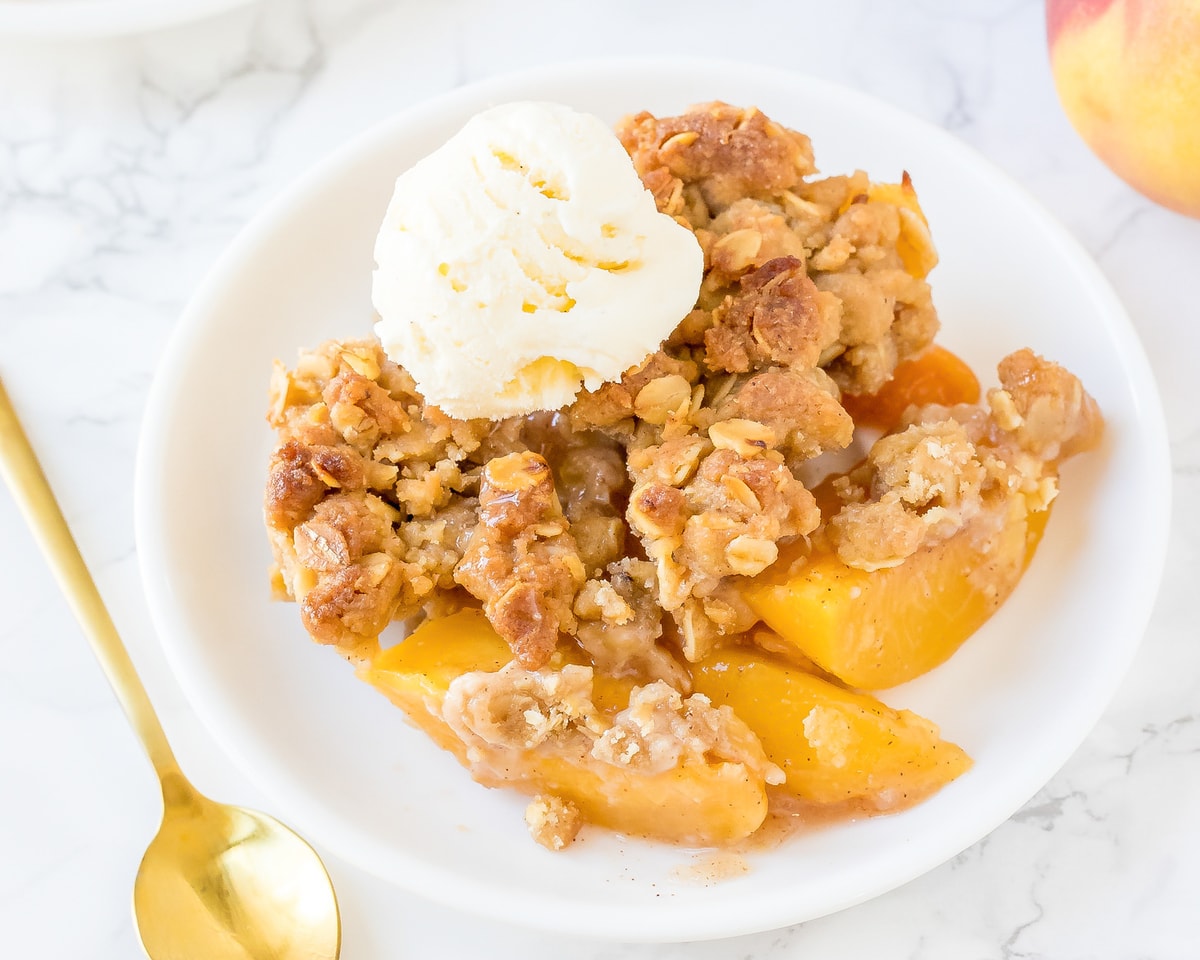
[127, 164]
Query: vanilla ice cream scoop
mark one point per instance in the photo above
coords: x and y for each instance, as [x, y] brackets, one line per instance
[525, 259]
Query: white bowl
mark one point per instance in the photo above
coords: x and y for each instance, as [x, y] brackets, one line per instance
[340, 763]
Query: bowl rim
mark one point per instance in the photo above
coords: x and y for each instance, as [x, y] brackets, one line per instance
[647, 922]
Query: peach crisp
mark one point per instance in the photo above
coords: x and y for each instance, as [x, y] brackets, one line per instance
[652, 610]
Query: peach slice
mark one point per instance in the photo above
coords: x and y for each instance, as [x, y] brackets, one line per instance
[880, 629]
[935, 376]
[701, 803]
[835, 746]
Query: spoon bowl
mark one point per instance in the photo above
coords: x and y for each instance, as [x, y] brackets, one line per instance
[235, 880]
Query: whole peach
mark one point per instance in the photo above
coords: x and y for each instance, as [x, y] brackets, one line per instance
[1128, 75]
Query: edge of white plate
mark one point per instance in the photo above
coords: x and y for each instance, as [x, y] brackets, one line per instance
[653, 923]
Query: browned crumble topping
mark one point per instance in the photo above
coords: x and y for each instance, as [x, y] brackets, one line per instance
[706, 512]
[621, 528]
[649, 496]
[776, 318]
[553, 822]
[718, 152]
[928, 481]
[521, 559]
[1043, 407]
[800, 409]
[626, 520]
[620, 624]
[502, 715]
[924, 483]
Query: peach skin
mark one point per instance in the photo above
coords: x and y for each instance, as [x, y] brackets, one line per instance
[1128, 76]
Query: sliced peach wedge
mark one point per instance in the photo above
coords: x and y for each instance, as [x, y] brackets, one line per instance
[700, 802]
[836, 746]
[876, 630]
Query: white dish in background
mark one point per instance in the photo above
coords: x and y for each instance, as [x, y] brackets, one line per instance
[340, 763]
[75, 19]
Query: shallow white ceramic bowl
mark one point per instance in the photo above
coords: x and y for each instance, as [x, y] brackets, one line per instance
[340, 763]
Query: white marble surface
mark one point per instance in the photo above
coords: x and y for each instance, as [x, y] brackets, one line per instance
[127, 164]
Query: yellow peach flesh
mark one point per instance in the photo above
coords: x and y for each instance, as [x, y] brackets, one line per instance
[879, 629]
[836, 746]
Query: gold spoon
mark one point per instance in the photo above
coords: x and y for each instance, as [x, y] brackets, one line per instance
[217, 882]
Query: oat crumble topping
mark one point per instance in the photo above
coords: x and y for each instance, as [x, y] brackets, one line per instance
[624, 523]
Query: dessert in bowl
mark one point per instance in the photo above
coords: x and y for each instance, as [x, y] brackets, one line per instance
[349, 771]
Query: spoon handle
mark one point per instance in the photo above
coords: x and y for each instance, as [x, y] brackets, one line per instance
[24, 476]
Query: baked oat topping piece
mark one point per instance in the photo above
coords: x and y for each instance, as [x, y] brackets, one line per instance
[814, 206]
[661, 728]
[294, 393]
[927, 481]
[349, 606]
[887, 316]
[516, 709]
[727, 152]
[744, 237]
[499, 716]
[801, 409]
[855, 245]
[362, 411]
[917, 486]
[778, 317]
[553, 822]
[862, 235]
[620, 624]
[1039, 416]
[738, 179]
[424, 488]
[435, 544]
[849, 223]
[706, 513]
[612, 407]
[354, 566]
[367, 495]
[521, 560]
[738, 509]
[298, 476]
[343, 528]
[1044, 407]
[353, 572]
